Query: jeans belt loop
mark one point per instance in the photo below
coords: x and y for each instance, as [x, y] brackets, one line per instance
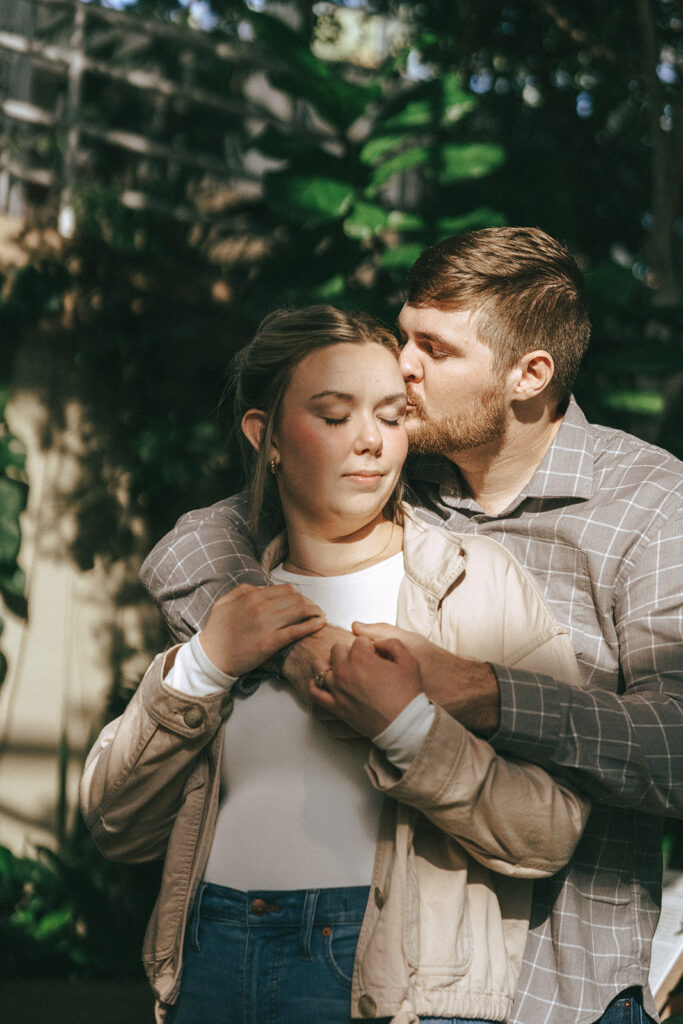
[196, 914]
[307, 919]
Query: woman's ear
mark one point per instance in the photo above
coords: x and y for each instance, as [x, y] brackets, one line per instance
[253, 425]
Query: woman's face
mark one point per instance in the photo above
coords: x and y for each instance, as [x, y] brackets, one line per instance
[341, 438]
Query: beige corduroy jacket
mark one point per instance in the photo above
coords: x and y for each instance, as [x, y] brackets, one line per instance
[461, 838]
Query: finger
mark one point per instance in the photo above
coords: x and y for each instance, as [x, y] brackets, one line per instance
[339, 655]
[362, 649]
[240, 591]
[298, 630]
[285, 598]
[373, 630]
[323, 698]
[391, 649]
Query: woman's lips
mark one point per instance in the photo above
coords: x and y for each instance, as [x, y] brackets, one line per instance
[364, 476]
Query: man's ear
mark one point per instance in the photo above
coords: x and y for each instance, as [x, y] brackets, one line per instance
[532, 375]
[253, 425]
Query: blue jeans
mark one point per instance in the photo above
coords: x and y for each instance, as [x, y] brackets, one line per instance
[627, 1008]
[272, 957]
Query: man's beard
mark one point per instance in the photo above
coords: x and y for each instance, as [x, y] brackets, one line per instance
[474, 427]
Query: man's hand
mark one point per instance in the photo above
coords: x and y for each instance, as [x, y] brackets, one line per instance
[312, 655]
[368, 685]
[467, 690]
[248, 625]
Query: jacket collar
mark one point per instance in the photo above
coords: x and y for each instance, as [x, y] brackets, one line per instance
[434, 558]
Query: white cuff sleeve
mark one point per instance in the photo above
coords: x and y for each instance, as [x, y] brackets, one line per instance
[403, 737]
[194, 674]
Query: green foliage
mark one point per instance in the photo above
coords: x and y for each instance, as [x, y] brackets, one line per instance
[28, 294]
[299, 73]
[340, 222]
[72, 915]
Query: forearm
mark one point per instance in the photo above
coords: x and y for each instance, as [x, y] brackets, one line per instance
[623, 750]
[208, 553]
[467, 690]
[512, 817]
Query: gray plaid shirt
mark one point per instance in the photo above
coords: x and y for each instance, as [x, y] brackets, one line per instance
[600, 526]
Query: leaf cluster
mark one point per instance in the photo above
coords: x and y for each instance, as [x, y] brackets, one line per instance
[72, 915]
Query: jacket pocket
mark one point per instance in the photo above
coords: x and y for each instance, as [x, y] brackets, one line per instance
[438, 918]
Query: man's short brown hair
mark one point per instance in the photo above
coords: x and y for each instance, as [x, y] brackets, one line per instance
[524, 289]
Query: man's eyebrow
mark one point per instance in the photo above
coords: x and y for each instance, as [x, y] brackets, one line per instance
[437, 339]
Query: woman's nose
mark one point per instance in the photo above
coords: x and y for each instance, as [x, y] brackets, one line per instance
[410, 363]
[369, 437]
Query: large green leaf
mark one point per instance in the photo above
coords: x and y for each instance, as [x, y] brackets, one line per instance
[365, 221]
[300, 73]
[456, 102]
[413, 157]
[399, 220]
[379, 147]
[401, 257]
[439, 103]
[460, 161]
[307, 199]
[331, 289]
[418, 113]
[54, 922]
[484, 217]
[642, 403]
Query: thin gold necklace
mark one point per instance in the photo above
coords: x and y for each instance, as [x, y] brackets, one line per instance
[345, 572]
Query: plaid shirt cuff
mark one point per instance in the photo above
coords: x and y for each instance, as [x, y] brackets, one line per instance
[276, 662]
[530, 715]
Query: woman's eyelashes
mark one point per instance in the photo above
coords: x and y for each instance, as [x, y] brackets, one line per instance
[388, 422]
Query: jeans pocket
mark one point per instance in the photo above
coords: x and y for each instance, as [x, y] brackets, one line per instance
[339, 943]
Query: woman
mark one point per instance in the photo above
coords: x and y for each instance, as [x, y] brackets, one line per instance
[293, 890]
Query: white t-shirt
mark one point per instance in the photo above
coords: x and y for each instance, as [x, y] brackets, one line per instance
[297, 809]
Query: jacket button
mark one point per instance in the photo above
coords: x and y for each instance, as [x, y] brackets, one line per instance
[379, 898]
[193, 718]
[367, 1006]
[226, 707]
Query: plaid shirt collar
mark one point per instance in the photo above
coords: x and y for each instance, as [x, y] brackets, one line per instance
[566, 471]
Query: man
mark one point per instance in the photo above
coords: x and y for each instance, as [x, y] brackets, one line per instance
[494, 328]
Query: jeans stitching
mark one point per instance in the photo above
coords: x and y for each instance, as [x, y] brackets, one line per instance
[196, 917]
[329, 956]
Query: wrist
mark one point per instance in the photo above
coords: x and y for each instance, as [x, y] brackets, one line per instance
[209, 656]
[469, 692]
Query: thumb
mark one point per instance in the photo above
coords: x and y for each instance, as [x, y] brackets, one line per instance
[373, 630]
[391, 649]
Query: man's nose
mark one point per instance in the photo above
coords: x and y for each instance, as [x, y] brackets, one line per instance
[410, 362]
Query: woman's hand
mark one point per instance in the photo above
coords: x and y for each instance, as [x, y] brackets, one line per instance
[248, 625]
[368, 684]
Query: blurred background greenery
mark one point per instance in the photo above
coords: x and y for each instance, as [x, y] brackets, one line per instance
[182, 167]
